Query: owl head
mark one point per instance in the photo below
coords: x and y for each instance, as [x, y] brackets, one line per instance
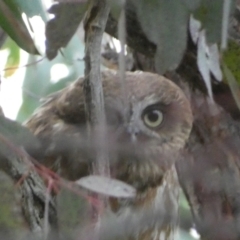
[152, 119]
[147, 123]
[152, 109]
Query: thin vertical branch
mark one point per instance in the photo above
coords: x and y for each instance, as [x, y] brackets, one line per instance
[122, 60]
[94, 101]
[93, 91]
[225, 23]
[122, 39]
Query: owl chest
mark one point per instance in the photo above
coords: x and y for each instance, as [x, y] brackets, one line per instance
[140, 173]
[152, 214]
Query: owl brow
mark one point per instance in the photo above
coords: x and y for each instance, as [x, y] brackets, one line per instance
[158, 105]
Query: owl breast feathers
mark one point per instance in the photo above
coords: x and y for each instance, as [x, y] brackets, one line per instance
[146, 129]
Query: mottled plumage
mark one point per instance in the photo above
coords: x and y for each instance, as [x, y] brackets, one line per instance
[146, 130]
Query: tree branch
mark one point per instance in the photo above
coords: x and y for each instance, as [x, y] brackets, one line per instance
[17, 164]
[95, 23]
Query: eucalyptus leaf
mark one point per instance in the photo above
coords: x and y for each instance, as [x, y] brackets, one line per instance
[62, 27]
[29, 8]
[12, 23]
[210, 13]
[165, 23]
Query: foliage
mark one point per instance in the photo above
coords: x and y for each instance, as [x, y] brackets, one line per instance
[13, 59]
[11, 21]
[56, 37]
[170, 17]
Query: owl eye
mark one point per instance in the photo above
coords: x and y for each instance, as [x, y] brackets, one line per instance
[153, 118]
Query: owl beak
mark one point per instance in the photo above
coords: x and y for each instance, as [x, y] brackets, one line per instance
[133, 138]
[133, 132]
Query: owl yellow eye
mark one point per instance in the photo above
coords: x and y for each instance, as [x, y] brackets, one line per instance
[153, 118]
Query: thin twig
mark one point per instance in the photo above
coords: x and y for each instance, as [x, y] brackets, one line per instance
[93, 91]
[122, 58]
[94, 101]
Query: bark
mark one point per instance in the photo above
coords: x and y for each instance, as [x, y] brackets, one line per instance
[17, 164]
[94, 25]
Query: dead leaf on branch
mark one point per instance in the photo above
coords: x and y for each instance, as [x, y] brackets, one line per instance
[107, 186]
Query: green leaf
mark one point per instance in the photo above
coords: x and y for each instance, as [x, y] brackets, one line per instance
[13, 57]
[29, 8]
[165, 23]
[210, 13]
[12, 23]
[61, 29]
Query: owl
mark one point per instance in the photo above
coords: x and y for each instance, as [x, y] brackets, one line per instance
[146, 129]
